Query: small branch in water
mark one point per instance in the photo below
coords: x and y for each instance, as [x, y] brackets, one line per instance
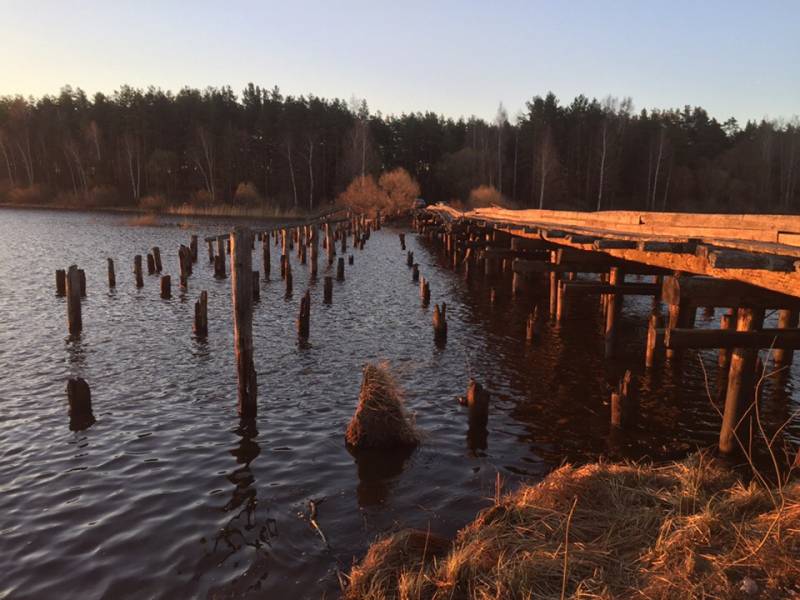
[312, 518]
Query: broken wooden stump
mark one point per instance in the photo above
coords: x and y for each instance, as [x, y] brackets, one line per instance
[137, 270]
[193, 248]
[166, 287]
[328, 290]
[265, 256]
[340, 269]
[61, 282]
[655, 338]
[533, 326]
[304, 317]
[79, 397]
[112, 276]
[402, 241]
[350, 259]
[623, 400]
[73, 293]
[242, 298]
[151, 264]
[200, 326]
[415, 272]
[288, 278]
[410, 258]
[440, 323]
[478, 405]
[424, 291]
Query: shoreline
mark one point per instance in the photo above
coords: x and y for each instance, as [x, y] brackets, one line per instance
[226, 212]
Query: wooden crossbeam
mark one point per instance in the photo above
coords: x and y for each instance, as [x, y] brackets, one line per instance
[784, 339]
[623, 289]
[708, 291]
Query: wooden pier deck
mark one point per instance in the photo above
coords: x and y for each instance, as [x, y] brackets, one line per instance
[746, 264]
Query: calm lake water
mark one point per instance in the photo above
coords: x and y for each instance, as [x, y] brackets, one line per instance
[163, 498]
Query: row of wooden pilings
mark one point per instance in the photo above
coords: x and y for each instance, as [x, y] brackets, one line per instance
[480, 250]
[245, 291]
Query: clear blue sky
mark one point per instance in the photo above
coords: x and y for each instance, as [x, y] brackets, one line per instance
[734, 58]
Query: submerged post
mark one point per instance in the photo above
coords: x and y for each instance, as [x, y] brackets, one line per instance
[340, 269]
[151, 264]
[328, 290]
[533, 326]
[157, 258]
[242, 296]
[266, 256]
[79, 397]
[615, 277]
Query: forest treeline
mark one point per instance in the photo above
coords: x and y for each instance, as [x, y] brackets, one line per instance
[212, 147]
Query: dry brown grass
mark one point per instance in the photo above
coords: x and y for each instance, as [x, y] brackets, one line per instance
[381, 420]
[687, 530]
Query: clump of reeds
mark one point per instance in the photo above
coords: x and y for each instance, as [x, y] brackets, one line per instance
[687, 530]
[381, 420]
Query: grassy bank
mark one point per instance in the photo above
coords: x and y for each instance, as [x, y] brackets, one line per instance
[691, 529]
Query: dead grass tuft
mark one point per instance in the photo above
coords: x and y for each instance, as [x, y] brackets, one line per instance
[380, 420]
[687, 530]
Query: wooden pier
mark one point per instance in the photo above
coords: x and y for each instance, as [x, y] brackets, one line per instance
[745, 263]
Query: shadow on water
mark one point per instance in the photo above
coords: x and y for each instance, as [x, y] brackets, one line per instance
[377, 469]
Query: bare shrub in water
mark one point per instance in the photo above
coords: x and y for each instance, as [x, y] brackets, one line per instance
[380, 420]
[687, 530]
[485, 196]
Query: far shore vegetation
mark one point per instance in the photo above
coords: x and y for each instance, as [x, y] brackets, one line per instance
[212, 151]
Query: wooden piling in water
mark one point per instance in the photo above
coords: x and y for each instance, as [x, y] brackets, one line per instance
[655, 338]
[304, 317]
[221, 247]
[184, 263]
[726, 322]
[112, 275]
[622, 399]
[151, 264]
[156, 251]
[200, 326]
[73, 293]
[256, 287]
[61, 282]
[219, 267]
[193, 248]
[350, 259]
[265, 256]
[478, 405]
[210, 252]
[410, 258]
[242, 298]
[739, 396]
[613, 309]
[79, 397]
[137, 270]
[166, 287]
[415, 272]
[402, 241]
[424, 291]
[440, 323]
[787, 319]
[340, 269]
[82, 282]
[328, 290]
[533, 326]
[288, 277]
[554, 282]
[314, 235]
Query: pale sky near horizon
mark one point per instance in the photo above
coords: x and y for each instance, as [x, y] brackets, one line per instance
[733, 58]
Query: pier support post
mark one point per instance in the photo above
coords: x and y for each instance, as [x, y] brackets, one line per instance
[440, 323]
[304, 317]
[615, 277]
[137, 270]
[265, 255]
[741, 380]
[242, 290]
[787, 319]
[79, 397]
[340, 269]
[726, 321]
[61, 282]
[166, 287]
